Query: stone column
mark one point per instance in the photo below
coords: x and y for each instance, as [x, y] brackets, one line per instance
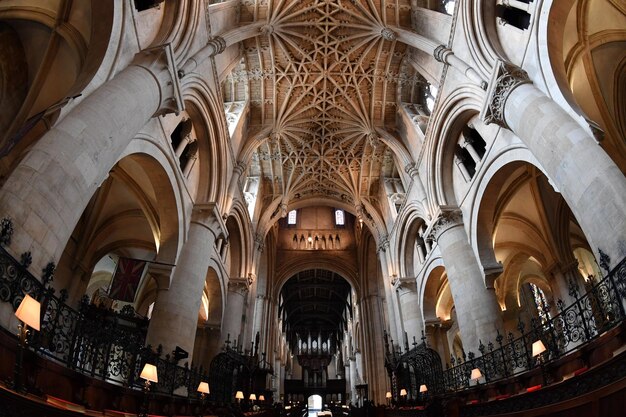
[477, 309]
[48, 191]
[353, 381]
[235, 302]
[410, 306]
[590, 182]
[175, 315]
[374, 348]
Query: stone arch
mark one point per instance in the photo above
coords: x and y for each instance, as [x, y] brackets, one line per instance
[321, 261]
[411, 220]
[135, 213]
[453, 114]
[46, 79]
[239, 242]
[583, 68]
[205, 108]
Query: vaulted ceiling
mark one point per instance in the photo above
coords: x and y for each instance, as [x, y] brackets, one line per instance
[325, 75]
[315, 301]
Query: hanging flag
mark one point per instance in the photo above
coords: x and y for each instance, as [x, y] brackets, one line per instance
[126, 279]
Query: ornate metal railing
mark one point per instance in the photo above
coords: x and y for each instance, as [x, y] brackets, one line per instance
[92, 340]
[601, 308]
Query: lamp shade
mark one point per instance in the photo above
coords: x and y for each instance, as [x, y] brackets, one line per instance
[252, 397]
[204, 388]
[261, 397]
[402, 392]
[149, 373]
[388, 394]
[423, 388]
[476, 374]
[239, 395]
[538, 348]
[29, 312]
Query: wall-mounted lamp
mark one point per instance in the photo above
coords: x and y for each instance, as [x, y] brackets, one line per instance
[423, 388]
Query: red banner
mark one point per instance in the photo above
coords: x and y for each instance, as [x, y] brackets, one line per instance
[126, 279]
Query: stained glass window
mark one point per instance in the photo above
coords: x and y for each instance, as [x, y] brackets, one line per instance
[291, 217]
[339, 217]
[541, 302]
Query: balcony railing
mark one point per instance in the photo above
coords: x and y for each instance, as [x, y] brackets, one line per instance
[101, 343]
[590, 315]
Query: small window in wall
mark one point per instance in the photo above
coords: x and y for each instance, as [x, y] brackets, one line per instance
[430, 94]
[150, 308]
[142, 5]
[339, 218]
[541, 303]
[513, 16]
[447, 6]
[292, 217]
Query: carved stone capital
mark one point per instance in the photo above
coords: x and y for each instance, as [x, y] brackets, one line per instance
[239, 286]
[159, 61]
[406, 285]
[208, 215]
[491, 273]
[505, 78]
[161, 273]
[446, 220]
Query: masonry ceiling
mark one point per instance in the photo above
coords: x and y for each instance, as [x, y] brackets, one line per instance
[325, 75]
[315, 301]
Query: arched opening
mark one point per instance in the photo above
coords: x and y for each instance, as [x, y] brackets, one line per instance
[533, 234]
[319, 324]
[128, 224]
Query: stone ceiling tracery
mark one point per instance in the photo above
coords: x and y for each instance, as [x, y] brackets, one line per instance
[325, 75]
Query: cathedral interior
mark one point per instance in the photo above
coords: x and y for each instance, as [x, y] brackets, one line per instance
[367, 208]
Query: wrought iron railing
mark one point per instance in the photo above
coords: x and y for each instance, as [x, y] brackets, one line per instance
[92, 340]
[600, 309]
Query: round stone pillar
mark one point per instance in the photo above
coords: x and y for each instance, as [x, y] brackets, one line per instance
[235, 303]
[175, 315]
[477, 309]
[47, 192]
[410, 309]
[590, 182]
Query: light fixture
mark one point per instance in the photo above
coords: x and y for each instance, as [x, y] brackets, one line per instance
[261, 397]
[403, 392]
[388, 394]
[476, 374]
[538, 348]
[149, 373]
[203, 389]
[252, 397]
[423, 388]
[239, 395]
[29, 313]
